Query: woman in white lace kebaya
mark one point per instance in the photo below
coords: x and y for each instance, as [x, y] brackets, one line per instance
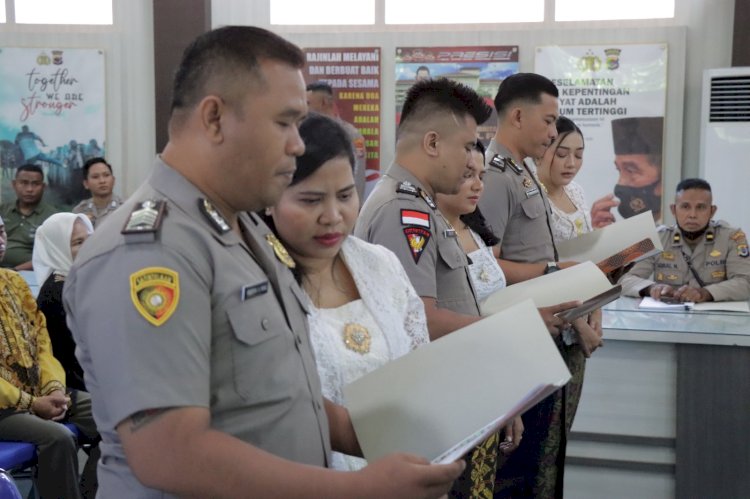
[364, 310]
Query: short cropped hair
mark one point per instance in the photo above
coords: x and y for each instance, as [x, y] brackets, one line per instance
[91, 162]
[30, 167]
[320, 86]
[693, 183]
[527, 87]
[428, 97]
[220, 53]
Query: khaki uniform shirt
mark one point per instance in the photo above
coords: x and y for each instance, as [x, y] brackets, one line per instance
[400, 215]
[194, 317]
[21, 230]
[720, 258]
[96, 215]
[516, 208]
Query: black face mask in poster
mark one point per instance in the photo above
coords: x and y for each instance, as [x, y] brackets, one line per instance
[635, 200]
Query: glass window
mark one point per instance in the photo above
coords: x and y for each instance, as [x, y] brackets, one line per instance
[463, 11]
[321, 12]
[598, 10]
[63, 11]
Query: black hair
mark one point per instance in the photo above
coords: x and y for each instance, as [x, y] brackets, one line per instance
[422, 68]
[475, 220]
[320, 86]
[427, 97]
[693, 183]
[523, 86]
[30, 167]
[91, 162]
[325, 139]
[224, 51]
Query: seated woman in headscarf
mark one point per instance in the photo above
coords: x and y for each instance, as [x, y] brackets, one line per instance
[364, 310]
[56, 245]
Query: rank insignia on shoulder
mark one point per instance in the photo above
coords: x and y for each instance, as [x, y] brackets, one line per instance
[709, 236]
[498, 162]
[427, 199]
[407, 187]
[417, 239]
[743, 251]
[155, 292]
[216, 219]
[280, 251]
[676, 238]
[145, 218]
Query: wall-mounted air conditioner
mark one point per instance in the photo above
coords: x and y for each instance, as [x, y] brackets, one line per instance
[725, 142]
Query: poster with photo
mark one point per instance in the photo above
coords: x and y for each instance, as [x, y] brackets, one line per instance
[482, 68]
[354, 76]
[53, 114]
[616, 94]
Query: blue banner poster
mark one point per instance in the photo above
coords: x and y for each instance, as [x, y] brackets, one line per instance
[52, 113]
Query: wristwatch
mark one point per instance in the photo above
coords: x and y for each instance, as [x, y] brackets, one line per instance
[551, 267]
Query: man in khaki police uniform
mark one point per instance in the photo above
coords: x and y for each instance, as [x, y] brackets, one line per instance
[190, 328]
[435, 137]
[702, 260]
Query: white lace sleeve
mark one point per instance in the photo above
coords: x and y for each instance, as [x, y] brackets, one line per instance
[415, 319]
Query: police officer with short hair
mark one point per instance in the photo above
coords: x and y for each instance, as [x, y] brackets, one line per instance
[702, 259]
[194, 340]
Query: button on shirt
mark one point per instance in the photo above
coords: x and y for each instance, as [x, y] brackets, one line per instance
[244, 356]
[21, 230]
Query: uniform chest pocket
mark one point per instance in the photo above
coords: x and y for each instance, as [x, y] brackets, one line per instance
[258, 346]
[533, 207]
[451, 253]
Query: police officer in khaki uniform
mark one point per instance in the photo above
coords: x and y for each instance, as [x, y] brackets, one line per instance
[433, 151]
[190, 328]
[702, 260]
[516, 207]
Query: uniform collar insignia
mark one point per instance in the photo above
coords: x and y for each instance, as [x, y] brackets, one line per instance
[497, 162]
[215, 218]
[427, 199]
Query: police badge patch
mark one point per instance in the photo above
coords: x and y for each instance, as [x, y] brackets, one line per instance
[155, 292]
[417, 238]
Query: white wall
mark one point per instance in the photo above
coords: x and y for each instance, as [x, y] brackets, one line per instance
[129, 59]
[699, 37]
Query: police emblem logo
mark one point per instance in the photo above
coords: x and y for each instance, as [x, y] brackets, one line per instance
[280, 251]
[743, 251]
[417, 239]
[155, 292]
[637, 205]
[526, 182]
[715, 253]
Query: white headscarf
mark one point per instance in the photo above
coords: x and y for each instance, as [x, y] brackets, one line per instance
[52, 245]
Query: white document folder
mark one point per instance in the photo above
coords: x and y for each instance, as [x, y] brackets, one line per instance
[442, 399]
[579, 282]
[603, 243]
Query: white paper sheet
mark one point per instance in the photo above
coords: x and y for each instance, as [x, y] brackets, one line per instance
[722, 306]
[602, 243]
[579, 282]
[652, 304]
[443, 398]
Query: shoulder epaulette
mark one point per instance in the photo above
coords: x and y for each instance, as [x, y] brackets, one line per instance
[503, 163]
[497, 162]
[407, 187]
[144, 221]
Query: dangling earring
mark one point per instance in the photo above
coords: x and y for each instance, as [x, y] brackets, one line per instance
[268, 211]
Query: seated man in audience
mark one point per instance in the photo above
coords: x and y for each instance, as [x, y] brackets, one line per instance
[24, 215]
[702, 260]
[33, 396]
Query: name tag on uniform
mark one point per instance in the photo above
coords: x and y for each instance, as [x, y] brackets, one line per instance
[251, 291]
[532, 192]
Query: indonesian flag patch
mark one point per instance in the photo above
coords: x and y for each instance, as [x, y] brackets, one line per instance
[417, 238]
[413, 217]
